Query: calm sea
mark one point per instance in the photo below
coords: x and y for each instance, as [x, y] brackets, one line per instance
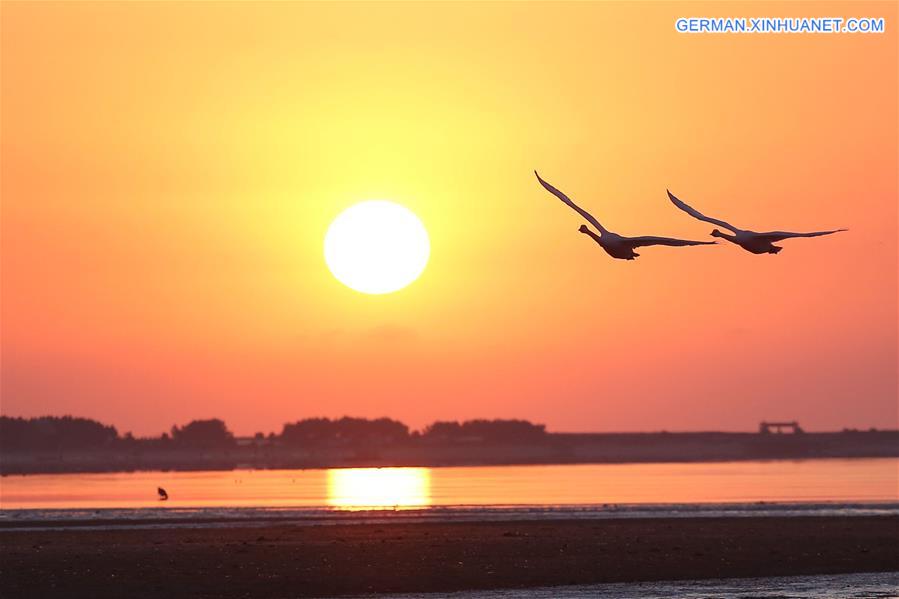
[878, 585]
[824, 486]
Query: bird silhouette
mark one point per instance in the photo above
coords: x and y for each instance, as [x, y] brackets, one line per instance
[615, 245]
[751, 241]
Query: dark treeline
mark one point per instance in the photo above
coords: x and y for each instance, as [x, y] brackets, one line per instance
[69, 433]
[52, 444]
[50, 432]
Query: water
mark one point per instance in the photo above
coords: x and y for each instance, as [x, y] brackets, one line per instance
[821, 487]
[879, 585]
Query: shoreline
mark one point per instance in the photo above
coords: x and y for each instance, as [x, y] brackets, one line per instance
[132, 518]
[286, 560]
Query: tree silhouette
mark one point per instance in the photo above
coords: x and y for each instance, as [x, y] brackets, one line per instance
[324, 431]
[499, 431]
[54, 433]
[203, 433]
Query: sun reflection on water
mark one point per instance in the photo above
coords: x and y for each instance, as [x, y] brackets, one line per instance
[379, 488]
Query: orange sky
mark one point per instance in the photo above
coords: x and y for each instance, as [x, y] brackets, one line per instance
[169, 171]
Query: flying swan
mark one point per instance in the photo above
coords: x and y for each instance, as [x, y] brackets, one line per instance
[757, 243]
[617, 246]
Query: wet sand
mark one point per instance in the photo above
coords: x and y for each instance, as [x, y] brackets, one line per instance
[292, 561]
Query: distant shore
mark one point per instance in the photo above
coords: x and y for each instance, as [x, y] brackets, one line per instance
[551, 448]
[285, 560]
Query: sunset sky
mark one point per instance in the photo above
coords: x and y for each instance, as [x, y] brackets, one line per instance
[169, 171]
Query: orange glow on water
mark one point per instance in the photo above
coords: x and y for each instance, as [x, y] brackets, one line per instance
[358, 488]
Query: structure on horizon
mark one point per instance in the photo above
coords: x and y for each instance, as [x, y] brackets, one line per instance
[765, 428]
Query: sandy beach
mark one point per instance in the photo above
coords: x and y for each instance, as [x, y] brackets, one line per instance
[291, 561]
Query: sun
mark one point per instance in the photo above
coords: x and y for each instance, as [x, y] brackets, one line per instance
[372, 488]
[377, 247]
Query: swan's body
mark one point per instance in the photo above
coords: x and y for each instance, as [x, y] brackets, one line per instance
[751, 241]
[617, 246]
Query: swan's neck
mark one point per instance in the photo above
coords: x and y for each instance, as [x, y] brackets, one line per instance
[731, 238]
[591, 234]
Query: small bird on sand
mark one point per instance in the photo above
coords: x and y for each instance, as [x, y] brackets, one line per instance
[617, 246]
[751, 241]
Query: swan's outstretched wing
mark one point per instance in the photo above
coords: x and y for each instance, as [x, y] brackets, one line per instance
[697, 214]
[651, 240]
[773, 236]
[568, 201]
